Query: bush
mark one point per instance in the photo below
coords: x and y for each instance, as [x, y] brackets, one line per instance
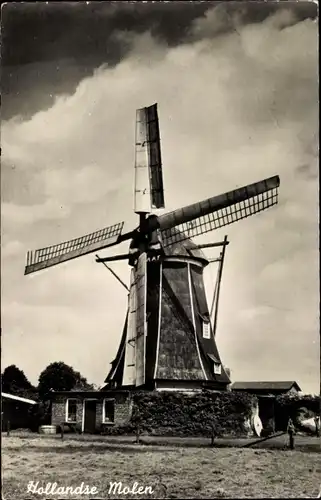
[179, 414]
[289, 406]
[39, 415]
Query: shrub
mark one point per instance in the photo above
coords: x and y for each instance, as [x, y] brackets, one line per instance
[289, 406]
[39, 415]
[179, 414]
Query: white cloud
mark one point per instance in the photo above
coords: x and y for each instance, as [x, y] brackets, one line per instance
[233, 110]
[11, 248]
[24, 214]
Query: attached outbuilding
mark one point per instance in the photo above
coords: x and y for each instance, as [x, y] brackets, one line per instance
[266, 392]
[15, 411]
[90, 411]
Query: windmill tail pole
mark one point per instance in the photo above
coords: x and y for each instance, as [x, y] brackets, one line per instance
[215, 288]
[122, 256]
[112, 272]
[210, 245]
[219, 286]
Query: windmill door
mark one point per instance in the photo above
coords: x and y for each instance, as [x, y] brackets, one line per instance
[90, 415]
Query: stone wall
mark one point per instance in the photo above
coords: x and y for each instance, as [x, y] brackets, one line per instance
[58, 410]
[123, 410]
[122, 414]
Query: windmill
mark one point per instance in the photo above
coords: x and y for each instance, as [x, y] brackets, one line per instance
[168, 340]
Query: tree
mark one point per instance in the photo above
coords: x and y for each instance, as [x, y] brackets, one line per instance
[14, 381]
[60, 377]
[82, 384]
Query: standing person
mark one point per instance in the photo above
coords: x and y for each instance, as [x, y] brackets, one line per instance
[291, 432]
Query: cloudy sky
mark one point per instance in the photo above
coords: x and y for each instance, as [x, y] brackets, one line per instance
[236, 87]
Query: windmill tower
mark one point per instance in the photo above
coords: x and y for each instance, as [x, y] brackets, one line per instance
[168, 340]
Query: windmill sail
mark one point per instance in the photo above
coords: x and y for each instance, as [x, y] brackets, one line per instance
[56, 254]
[149, 192]
[216, 212]
[129, 376]
[141, 326]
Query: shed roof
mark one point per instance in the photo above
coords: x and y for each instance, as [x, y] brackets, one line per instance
[256, 386]
[18, 398]
[89, 394]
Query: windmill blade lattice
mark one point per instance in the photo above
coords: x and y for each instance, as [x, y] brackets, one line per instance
[149, 191]
[155, 160]
[56, 254]
[141, 326]
[219, 211]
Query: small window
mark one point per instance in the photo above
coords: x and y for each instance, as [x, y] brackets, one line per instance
[71, 410]
[217, 368]
[206, 330]
[109, 411]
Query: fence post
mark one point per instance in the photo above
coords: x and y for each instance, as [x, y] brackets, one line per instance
[291, 435]
[212, 435]
[8, 428]
[137, 434]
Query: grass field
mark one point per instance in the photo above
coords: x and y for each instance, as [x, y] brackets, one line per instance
[172, 472]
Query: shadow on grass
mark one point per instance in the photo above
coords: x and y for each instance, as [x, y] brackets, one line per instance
[98, 450]
[147, 448]
[100, 444]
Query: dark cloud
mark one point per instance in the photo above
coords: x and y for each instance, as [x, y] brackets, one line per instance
[42, 32]
[47, 49]
[35, 32]
[226, 17]
[257, 12]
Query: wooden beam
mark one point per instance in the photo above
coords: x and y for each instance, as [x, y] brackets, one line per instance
[112, 272]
